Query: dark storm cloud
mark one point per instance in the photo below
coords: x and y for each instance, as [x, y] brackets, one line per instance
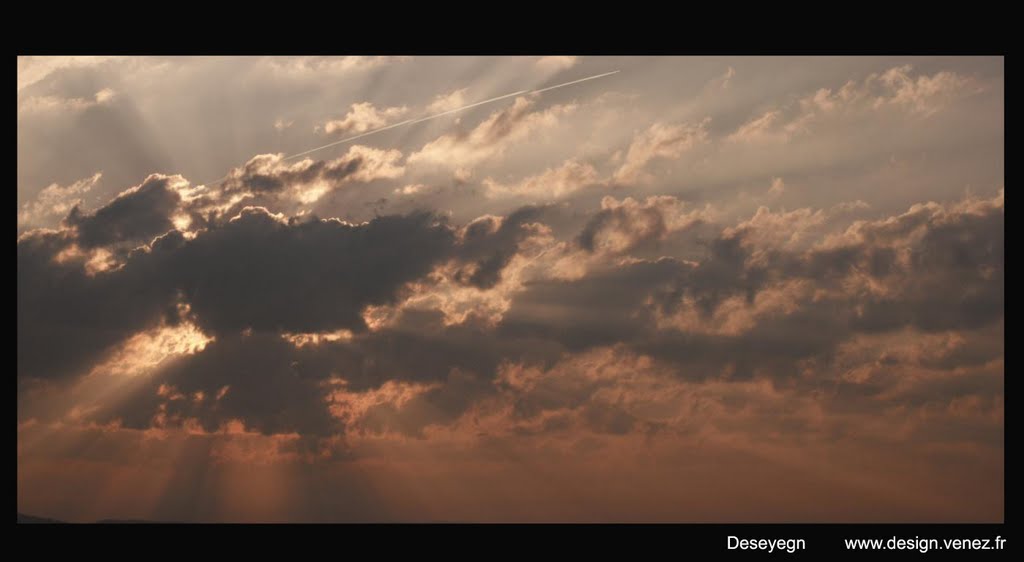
[253, 272]
[424, 350]
[618, 305]
[283, 185]
[305, 275]
[952, 280]
[724, 272]
[273, 386]
[610, 304]
[68, 319]
[252, 280]
[601, 309]
[256, 379]
[266, 173]
[135, 216]
[490, 243]
[773, 347]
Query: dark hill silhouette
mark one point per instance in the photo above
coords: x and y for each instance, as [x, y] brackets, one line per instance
[24, 518]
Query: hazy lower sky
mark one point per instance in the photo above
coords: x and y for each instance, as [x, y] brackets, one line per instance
[721, 289]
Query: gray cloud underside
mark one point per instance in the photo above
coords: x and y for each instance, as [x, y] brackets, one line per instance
[252, 278]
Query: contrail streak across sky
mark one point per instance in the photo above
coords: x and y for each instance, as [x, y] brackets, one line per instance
[435, 116]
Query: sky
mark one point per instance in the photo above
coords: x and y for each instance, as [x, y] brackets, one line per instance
[700, 289]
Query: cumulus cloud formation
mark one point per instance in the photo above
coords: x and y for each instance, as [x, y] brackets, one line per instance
[447, 102]
[622, 225]
[363, 117]
[491, 137]
[661, 140]
[782, 303]
[489, 243]
[552, 183]
[336, 269]
[270, 177]
[896, 88]
[135, 216]
[520, 313]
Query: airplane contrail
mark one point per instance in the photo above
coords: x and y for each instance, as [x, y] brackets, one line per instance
[435, 116]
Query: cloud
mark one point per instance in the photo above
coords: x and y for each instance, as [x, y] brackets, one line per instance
[896, 88]
[489, 244]
[556, 63]
[316, 67]
[386, 319]
[411, 189]
[62, 306]
[722, 82]
[253, 379]
[621, 226]
[899, 314]
[55, 201]
[788, 230]
[552, 183]
[303, 276]
[306, 180]
[492, 137]
[145, 352]
[42, 104]
[33, 69]
[246, 273]
[756, 298]
[922, 94]
[363, 117]
[447, 102]
[770, 296]
[269, 385]
[495, 259]
[660, 141]
[763, 127]
[135, 216]
[223, 303]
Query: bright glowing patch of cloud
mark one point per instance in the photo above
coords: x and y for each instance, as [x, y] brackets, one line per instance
[659, 141]
[144, 352]
[552, 183]
[363, 117]
[557, 63]
[492, 137]
[447, 102]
